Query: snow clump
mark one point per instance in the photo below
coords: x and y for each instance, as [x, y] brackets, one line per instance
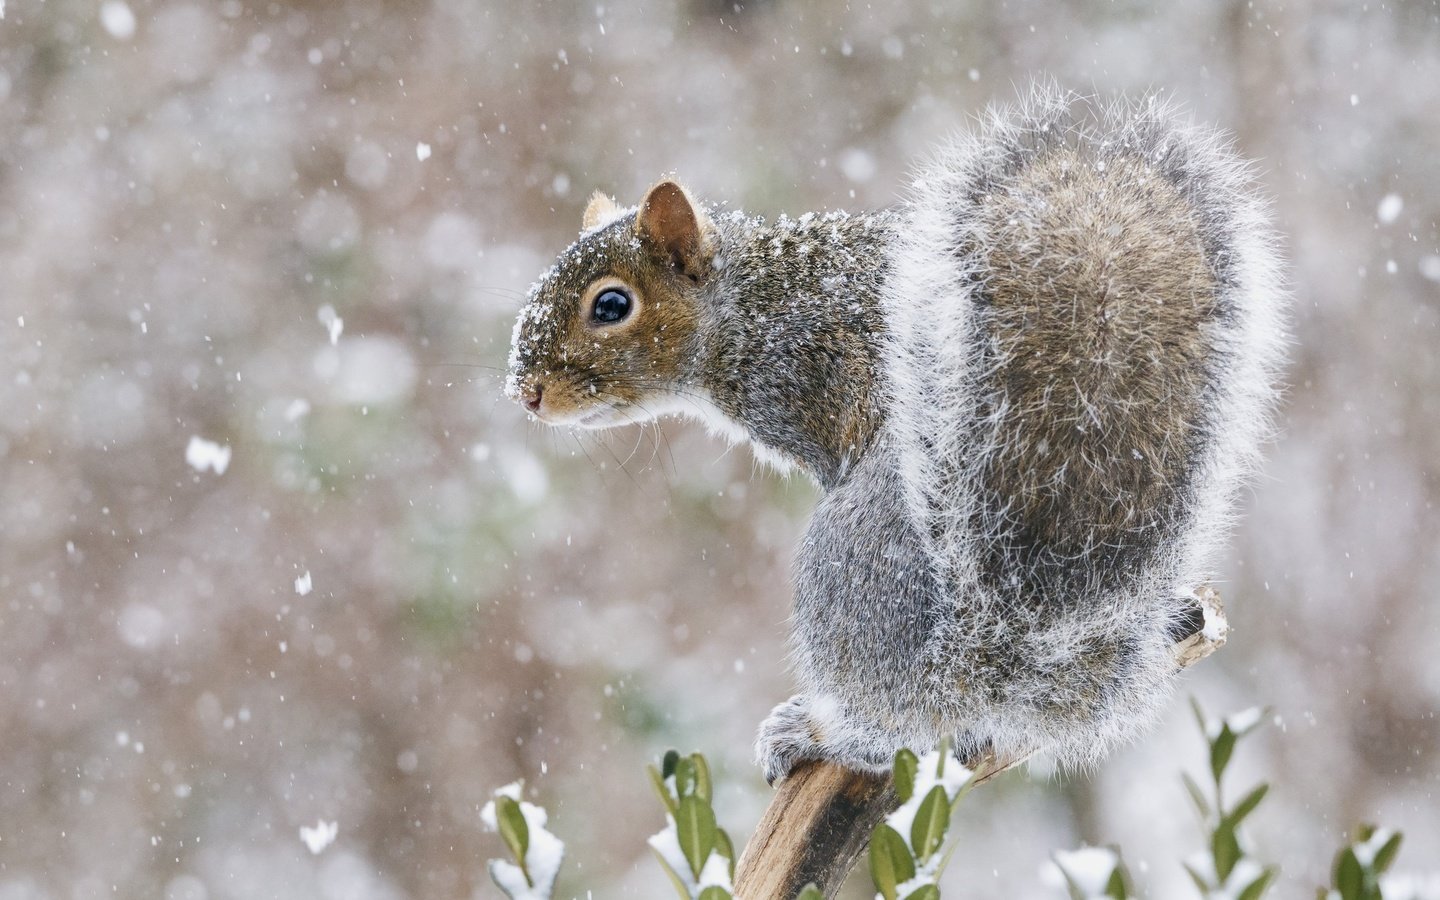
[202, 455]
[543, 854]
[319, 837]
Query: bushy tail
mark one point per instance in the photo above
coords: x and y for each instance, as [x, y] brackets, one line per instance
[1085, 330]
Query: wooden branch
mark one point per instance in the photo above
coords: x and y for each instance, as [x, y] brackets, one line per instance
[816, 825]
[821, 815]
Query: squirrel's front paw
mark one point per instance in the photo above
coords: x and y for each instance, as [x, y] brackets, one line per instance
[788, 737]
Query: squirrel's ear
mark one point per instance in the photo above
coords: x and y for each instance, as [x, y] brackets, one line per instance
[602, 209]
[672, 225]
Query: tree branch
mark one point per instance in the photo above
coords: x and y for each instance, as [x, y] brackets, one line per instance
[821, 815]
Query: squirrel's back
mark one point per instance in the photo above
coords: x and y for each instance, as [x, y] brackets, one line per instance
[1084, 323]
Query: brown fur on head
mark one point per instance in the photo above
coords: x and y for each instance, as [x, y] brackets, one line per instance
[569, 366]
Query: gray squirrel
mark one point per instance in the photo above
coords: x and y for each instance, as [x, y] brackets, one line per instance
[1029, 394]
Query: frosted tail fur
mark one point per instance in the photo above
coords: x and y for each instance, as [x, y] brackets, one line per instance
[1084, 323]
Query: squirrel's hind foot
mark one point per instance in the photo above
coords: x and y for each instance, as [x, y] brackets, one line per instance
[799, 730]
[788, 737]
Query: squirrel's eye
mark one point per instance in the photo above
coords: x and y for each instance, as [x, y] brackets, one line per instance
[611, 306]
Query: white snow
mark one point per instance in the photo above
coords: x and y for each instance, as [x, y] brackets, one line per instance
[422, 151]
[542, 857]
[1216, 627]
[117, 19]
[334, 325]
[1365, 851]
[1244, 874]
[666, 842]
[1430, 267]
[1390, 208]
[319, 837]
[1090, 868]
[1239, 722]
[1411, 886]
[956, 776]
[1245, 720]
[202, 455]
[303, 584]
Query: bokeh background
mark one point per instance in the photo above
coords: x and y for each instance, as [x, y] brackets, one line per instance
[301, 231]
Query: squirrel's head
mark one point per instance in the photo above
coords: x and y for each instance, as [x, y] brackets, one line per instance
[605, 334]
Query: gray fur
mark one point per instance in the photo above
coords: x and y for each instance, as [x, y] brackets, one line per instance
[1030, 394]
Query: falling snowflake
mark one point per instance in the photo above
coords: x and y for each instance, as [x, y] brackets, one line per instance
[319, 837]
[202, 455]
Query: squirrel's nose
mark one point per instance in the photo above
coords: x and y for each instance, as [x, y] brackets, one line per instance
[532, 399]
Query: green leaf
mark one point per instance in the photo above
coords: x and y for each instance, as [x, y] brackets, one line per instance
[1117, 888]
[1220, 750]
[1204, 886]
[514, 830]
[810, 892]
[1226, 850]
[714, 892]
[890, 861]
[927, 832]
[1200, 718]
[1257, 888]
[924, 892]
[1349, 876]
[667, 763]
[695, 825]
[1386, 854]
[1197, 796]
[684, 777]
[702, 777]
[906, 765]
[674, 878]
[661, 789]
[1246, 806]
[725, 848]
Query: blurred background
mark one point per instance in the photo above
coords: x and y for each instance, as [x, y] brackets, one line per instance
[273, 550]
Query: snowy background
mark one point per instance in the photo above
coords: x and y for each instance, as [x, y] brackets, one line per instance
[274, 553]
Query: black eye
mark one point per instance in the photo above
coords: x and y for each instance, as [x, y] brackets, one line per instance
[611, 306]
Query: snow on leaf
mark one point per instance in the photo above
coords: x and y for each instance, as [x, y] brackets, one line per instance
[1089, 869]
[544, 852]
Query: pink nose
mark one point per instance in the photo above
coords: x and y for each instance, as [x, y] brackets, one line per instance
[532, 399]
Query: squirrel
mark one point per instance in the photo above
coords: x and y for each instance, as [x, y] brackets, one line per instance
[1029, 393]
